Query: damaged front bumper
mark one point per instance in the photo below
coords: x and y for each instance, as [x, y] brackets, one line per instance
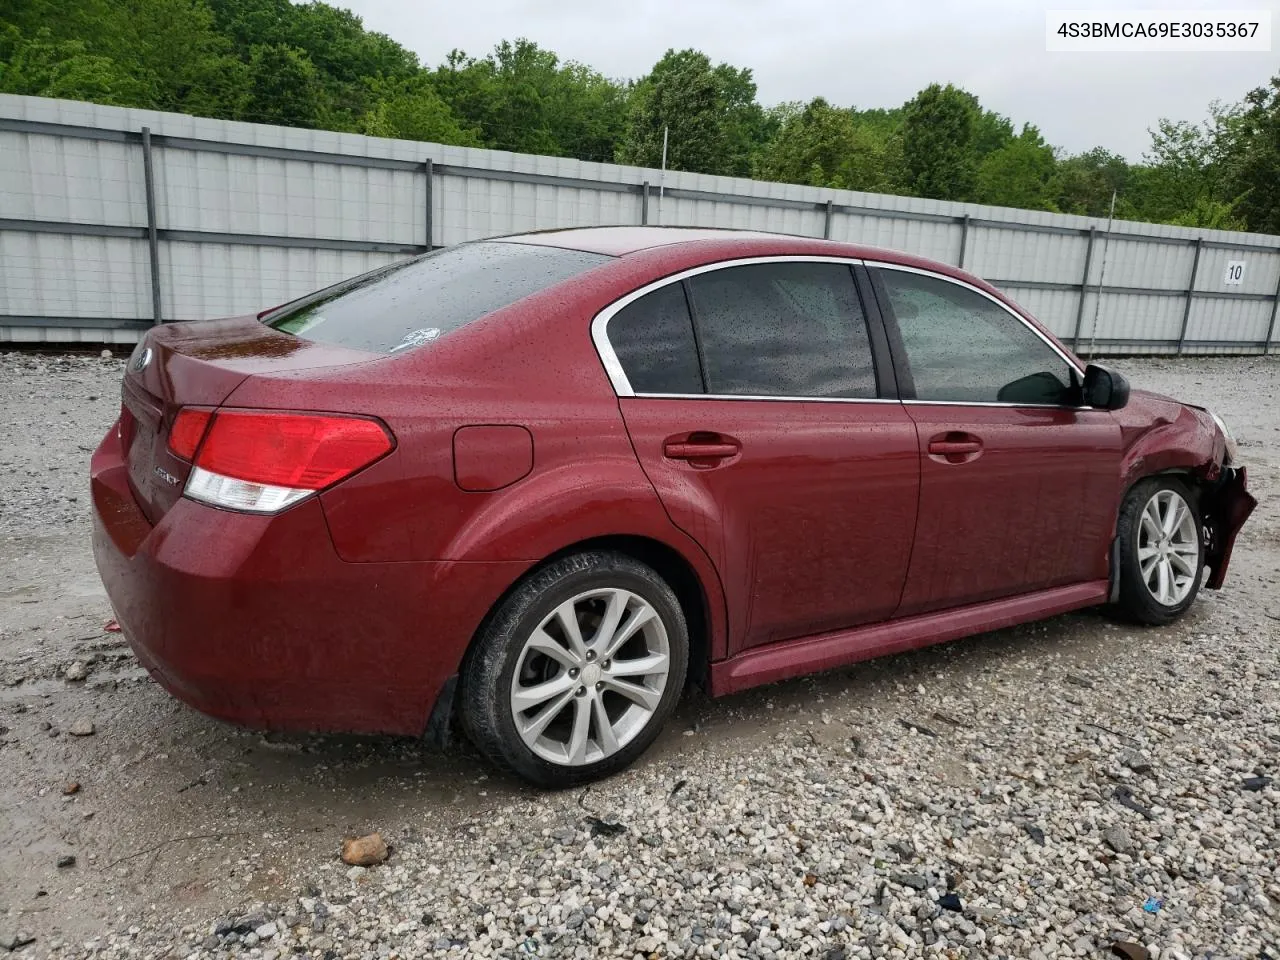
[1227, 504]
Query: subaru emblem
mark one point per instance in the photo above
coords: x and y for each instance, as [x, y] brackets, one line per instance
[141, 361]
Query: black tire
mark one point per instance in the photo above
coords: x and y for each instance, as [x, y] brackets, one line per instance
[485, 682]
[1137, 601]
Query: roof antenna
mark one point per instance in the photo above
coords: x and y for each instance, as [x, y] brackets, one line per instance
[662, 179]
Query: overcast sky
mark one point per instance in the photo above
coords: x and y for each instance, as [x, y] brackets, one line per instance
[865, 53]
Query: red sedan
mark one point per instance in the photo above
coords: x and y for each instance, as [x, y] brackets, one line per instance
[531, 486]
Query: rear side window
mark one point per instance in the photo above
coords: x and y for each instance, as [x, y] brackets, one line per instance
[653, 338]
[789, 329]
[415, 302]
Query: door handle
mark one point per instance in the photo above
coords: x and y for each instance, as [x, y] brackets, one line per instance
[698, 451]
[955, 446]
[949, 447]
[701, 447]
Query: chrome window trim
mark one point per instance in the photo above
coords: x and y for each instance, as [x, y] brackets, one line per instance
[772, 399]
[622, 386]
[992, 403]
[881, 265]
[918, 403]
[613, 367]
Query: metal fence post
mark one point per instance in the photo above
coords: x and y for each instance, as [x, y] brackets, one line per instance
[964, 240]
[644, 204]
[427, 169]
[1084, 287]
[826, 226]
[1191, 292]
[1275, 309]
[153, 242]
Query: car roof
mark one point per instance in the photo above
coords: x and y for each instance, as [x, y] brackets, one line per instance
[624, 241]
[691, 244]
[664, 250]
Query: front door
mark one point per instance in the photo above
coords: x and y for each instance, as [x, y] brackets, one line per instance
[757, 417]
[1019, 483]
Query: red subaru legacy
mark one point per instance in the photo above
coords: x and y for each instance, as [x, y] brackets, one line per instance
[531, 486]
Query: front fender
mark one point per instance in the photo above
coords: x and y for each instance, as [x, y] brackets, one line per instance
[1163, 436]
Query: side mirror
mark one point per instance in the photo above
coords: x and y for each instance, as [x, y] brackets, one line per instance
[1104, 389]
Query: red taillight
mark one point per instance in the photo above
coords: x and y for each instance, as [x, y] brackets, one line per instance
[302, 451]
[188, 430]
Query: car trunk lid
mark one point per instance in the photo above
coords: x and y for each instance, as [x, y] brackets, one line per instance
[198, 364]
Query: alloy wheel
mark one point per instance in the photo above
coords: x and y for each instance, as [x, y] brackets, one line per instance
[1168, 548]
[590, 677]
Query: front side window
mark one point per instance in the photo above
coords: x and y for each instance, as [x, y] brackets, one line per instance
[415, 302]
[963, 347]
[786, 329]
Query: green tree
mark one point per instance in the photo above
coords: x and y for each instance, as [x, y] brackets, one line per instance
[251, 23]
[523, 99]
[42, 66]
[1248, 143]
[1086, 182]
[312, 64]
[812, 144]
[168, 51]
[1177, 173]
[991, 131]
[1018, 174]
[823, 146]
[1212, 214]
[468, 86]
[884, 127]
[351, 64]
[338, 44]
[883, 122]
[416, 112]
[283, 87]
[524, 81]
[937, 143]
[743, 122]
[588, 113]
[187, 66]
[712, 115]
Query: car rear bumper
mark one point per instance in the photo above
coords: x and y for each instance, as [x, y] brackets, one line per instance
[257, 621]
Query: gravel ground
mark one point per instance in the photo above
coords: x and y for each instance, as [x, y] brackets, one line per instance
[1037, 792]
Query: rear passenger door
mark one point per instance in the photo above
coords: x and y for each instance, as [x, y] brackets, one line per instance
[1019, 484]
[753, 399]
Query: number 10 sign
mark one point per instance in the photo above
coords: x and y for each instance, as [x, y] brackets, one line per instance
[1234, 275]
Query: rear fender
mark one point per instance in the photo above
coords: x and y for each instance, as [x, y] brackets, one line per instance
[547, 513]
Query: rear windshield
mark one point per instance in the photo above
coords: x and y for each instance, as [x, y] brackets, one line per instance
[417, 301]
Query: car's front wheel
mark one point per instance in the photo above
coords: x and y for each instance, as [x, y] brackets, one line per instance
[575, 673]
[1161, 550]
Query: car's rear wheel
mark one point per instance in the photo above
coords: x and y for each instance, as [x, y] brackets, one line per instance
[575, 673]
[1161, 550]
